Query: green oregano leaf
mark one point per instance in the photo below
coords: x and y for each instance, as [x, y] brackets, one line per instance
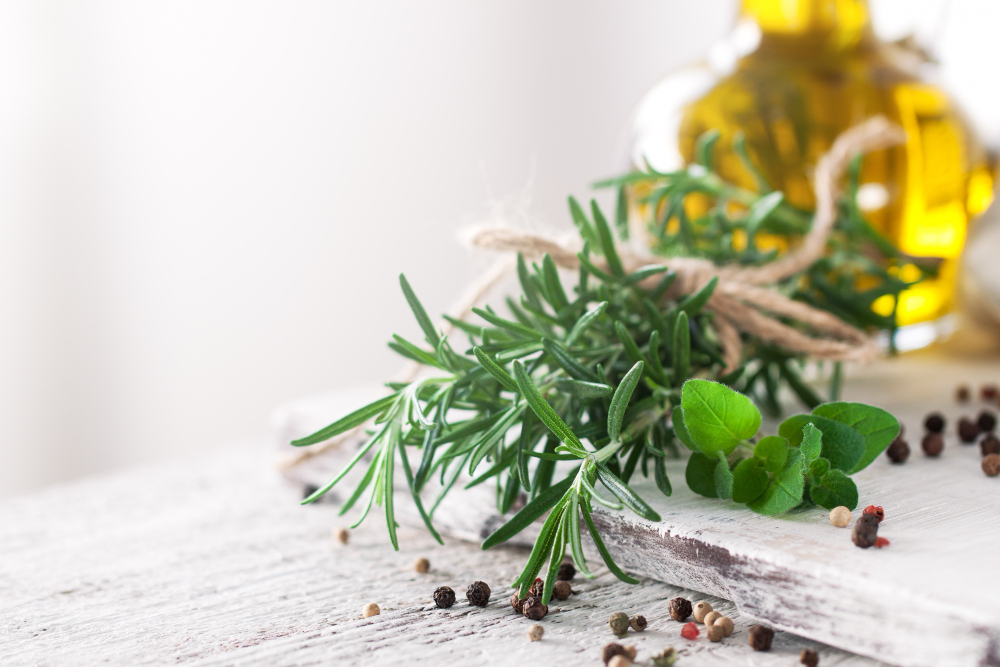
[785, 490]
[749, 480]
[723, 478]
[812, 443]
[818, 468]
[835, 489]
[772, 452]
[700, 475]
[877, 426]
[677, 419]
[717, 418]
[842, 445]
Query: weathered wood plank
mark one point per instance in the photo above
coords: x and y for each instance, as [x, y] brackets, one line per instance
[909, 604]
[213, 562]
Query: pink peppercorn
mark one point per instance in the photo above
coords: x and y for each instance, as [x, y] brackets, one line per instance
[689, 631]
[881, 542]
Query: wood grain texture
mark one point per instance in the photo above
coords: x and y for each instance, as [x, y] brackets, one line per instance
[931, 598]
[213, 562]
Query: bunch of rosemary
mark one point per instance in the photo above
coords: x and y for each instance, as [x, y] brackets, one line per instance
[577, 385]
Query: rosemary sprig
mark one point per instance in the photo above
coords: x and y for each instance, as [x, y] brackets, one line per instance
[576, 387]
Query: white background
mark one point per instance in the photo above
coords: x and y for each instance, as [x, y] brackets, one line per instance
[204, 206]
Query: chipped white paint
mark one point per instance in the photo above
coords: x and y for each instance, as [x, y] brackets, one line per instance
[213, 562]
[931, 598]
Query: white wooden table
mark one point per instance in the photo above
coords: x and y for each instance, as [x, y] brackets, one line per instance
[213, 562]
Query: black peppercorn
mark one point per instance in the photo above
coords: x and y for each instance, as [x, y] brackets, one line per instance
[614, 648]
[638, 622]
[989, 445]
[760, 637]
[537, 588]
[987, 421]
[561, 590]
[968, 430]
[932, 444]
[517, 603]
[679, 609]
[962, 394]
[444, 597]
[809, 657]
[934, 422]
[534, 609]
[566, 572]
[898, 450]
[865, 531]
[478, 594]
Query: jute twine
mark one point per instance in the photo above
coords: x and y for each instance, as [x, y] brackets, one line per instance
[746, 299]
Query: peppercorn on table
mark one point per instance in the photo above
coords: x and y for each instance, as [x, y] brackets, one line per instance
[213, 562]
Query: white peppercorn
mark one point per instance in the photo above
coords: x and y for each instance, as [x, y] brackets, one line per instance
[725, 623]
[715, 633]
[422, 565]
[620, 661]
[536, 632]
[342, 535]
[711, 617]
[840, 516]
[701, 610]
[371, 609]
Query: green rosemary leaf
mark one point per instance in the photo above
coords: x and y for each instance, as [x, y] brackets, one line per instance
[704, 148]
[430, 333]
[693, 303]
[625, 494]
[619, 402]
[644, 272]
[553, 285]
[660, 476]
[607, 242]
[389, 466]
[584, 389]
[541, 550]
[495, 435]
[585, 321]
[495, 369]
[603, 550]
[544, 411]
[407, 349]
[566, 361]
[592, 269]
[621, 213]
[529, 513]
[801, 389]
[416, 495]
[682, 348]
[356, 418]
[760, 211]
[558, 551]
[582, 224]
[508, 325]
[347, 468]
[740, 148]
[359, 490]
[575, 543]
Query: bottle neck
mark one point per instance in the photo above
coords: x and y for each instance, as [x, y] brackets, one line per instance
[810, 26]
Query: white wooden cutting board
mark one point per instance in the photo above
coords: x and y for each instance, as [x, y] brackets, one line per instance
[931, 598]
